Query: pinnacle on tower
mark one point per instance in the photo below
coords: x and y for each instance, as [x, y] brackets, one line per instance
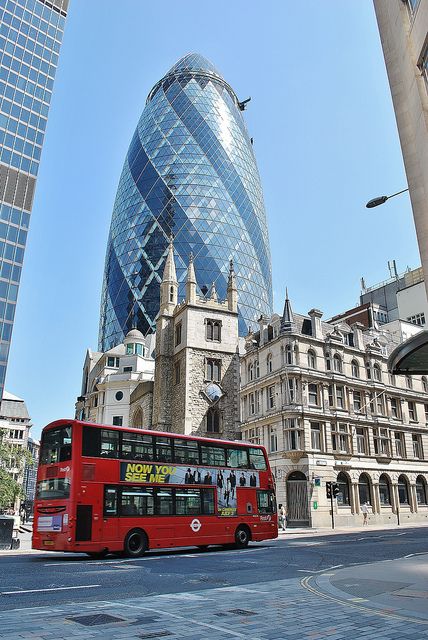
[232, 290]
[213, 294]
[169, 284]
[191, 282]
[287, 320]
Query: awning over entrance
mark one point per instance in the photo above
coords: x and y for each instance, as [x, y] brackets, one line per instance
[410, 357]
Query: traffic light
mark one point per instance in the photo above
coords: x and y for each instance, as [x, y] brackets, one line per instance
[335, 489]
[328, 489]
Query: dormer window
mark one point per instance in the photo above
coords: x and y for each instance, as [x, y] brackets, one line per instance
[134, 349]
[213, 330]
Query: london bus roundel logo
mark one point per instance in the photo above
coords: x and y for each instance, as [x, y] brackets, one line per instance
[195, 525]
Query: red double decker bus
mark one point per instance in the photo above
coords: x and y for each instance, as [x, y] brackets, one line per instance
[103, 489]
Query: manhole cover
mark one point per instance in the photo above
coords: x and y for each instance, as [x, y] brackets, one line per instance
[97, 618]
[243, 612]
[155, 634]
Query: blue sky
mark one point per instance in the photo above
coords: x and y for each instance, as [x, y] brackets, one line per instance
[325, 139]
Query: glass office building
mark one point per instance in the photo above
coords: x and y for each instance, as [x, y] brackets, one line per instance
[30, 39]
[190, 171]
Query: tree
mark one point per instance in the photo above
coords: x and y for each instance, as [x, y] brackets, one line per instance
[13, 459]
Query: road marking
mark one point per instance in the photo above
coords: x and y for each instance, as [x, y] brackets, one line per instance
[355, 605]
[83, 586]
[336, 566]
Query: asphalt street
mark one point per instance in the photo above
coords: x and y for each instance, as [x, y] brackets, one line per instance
[41, 579]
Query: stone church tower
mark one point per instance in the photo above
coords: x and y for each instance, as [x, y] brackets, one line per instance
[196, 385]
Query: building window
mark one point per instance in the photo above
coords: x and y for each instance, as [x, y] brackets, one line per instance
[340, 399]
[421, 490]
[348, 339]
[291, 389]
[250, 372]
[269, 363]
[253, 435]
[337, 363]
[379, 404]
[213, 420]
[384, 490]
[340, 439]
[368, 371]
[409, 382]
[399, 444]
[316, 436]
[178, 328]
[419, 318]
[112, 362]
[257, 369]
[355, 369]
[357, 401]
[273, 439]
[382, 444]
[127, 369]
[313, 396]
[364, 489]
[213, 370]
[312, 360]
[403, 490]
[252, 404]
[288, 354]
[395, 407]
[293, 435]
[177, 373]
[118, 396]
[417, 446]
[426, 412]
[424, 384]
[377, 372]
[271, 397]
[412, 411]
[118, 421]
[213, 330]
[327, 362]
[343, 497]
[362, 440]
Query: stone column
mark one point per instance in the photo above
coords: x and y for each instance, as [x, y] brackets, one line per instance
[376, 498]
[356, 497]
[413, 499]
[394, 498]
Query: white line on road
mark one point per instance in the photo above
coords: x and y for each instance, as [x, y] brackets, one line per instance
[83, 586]
[336, 566]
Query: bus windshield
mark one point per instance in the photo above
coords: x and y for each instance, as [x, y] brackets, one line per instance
[56, 445]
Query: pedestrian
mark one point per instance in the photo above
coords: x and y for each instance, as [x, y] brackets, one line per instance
[282, 516]
[364, 511]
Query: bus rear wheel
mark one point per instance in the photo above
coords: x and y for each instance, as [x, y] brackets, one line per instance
[136, 543]
[242, 537]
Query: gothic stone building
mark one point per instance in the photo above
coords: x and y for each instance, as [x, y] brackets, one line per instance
[320, 398]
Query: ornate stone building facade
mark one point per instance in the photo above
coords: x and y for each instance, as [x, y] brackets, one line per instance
[319, 397]
[196, 387]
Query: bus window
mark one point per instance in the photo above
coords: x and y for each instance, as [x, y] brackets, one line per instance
[213, 456]
[102, 443]
[186, 451]
[110, 501]
[257, 459]
[56, 445]
[237, 458]
[208, 501]
[187, 502]
[137, 501]
[136, 446]
[265, 501]
[109, 443]
[163, 449]
[54, 488]
[164, 503]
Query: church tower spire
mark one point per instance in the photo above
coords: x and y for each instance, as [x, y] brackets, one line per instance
[191, 282]
[287, 320]
[169, 284]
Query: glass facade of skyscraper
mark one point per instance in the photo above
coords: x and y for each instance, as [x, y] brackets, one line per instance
[31, 32]
[190, 172]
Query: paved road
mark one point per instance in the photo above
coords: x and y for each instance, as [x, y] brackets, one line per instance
[43, 579]
[290, 589]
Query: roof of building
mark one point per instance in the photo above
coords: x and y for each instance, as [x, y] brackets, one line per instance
[13, 407]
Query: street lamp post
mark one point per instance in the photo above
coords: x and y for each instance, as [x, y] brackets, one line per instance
[375, 202]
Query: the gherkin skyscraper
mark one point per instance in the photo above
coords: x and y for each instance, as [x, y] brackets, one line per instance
[190, 172]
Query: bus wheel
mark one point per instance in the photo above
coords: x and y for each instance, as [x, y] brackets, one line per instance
[242, 537]
[136, 543]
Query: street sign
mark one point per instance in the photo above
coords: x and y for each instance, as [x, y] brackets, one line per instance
[315, 504]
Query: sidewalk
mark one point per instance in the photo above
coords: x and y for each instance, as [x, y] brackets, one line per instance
[326, 531]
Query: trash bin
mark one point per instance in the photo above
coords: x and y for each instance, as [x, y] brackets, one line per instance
[6, 532]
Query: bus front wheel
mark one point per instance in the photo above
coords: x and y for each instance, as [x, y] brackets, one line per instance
[242, 537]
[136, 543]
